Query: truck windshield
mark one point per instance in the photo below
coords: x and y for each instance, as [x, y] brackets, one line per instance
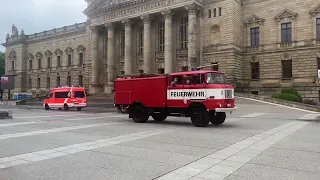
[216, 78]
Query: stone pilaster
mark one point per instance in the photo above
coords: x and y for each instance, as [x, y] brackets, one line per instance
[95, 61]
[110, 59]
[127, 49]
[168, 63]
[148, 65]
[192, 34]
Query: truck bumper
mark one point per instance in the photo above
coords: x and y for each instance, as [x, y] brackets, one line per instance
[225, 109]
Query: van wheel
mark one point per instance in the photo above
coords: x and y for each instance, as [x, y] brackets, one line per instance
[65, 107]
[218, 119]
[159, 117]
[199, 117]
[46, 107]
[139, 114]
[79, 108]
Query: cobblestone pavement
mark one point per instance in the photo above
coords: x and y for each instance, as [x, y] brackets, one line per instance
[258, 141]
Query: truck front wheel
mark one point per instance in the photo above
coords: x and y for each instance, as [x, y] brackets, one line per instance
[139, 114]
[199, 117]
[159, 117]
[218, 119]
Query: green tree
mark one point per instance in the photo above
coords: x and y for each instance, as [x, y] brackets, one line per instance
[2, 64]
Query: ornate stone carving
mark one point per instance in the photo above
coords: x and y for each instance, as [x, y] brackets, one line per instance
[69, 50]
[58, 52]
[22, 32]
[286, 14]
[30, 56]
[254, 19]
[315, 11]
[286, 56]
[127, 22]
[192, 8]
[146, 18]
[12, 54]
[81, 49]
[94, 29]
[14, 30]
[109, 25]
[39, 55]
[8, 36]
[48, 53]
[167, 13]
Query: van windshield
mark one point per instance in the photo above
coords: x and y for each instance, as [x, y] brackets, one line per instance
[79, 94]
[216, 78]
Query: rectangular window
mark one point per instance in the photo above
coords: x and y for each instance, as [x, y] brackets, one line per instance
[184, 68]
[209, 12]
[140, 50]
[58, 61]
[318, 29]
[81, 58]
[215, 67]
[38, 83]
[12, 65]
[121, 72]
[255, 39]
[255, 70]
[318, 60]
[30, 64]
[214, 12]
[140, 71]
[176, 80]
[39, 63]
[194, 79]
[48, 82]
[48, 62]
[69, 81]
[286, 32]
[286, 69]
[122, 41]
[61, 94]
[58, 81]
[161, 70]
[69, 59]
[184, 32]
[80, 80]
[161, 36]
[30, 83]
[219, 11]
[79, 94]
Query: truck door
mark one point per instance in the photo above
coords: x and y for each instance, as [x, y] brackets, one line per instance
[175, 91]
[194, 88]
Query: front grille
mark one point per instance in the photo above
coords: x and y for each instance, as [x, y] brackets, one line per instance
[228, 93]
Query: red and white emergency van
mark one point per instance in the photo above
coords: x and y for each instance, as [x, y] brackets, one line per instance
[202, 95]
[66, 98]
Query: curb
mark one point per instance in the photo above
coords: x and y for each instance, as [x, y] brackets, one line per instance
[280, 102]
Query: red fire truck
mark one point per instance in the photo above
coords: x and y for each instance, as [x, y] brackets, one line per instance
[202, 95]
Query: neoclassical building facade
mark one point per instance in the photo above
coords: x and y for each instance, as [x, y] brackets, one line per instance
[262, 45]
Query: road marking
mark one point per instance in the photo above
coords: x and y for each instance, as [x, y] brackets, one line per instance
[279, 105]
[31, 133]
[17, 124]
[252, 115]
[309, 117]
[233, 119]
[75, 148]
[29, 117]
[223, 163]
[105, 117]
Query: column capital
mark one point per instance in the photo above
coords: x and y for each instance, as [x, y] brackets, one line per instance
[192, 8]
[93, 29]
[109, 26]
[167, 13]
[146, 18]
[127, 22]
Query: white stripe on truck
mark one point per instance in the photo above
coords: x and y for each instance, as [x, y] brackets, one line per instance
[176, 94]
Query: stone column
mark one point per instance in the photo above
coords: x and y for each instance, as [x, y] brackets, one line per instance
[147, 61]
[95, 60]
[127, 49]
[192, 35]
[168, 64]
[110, 58]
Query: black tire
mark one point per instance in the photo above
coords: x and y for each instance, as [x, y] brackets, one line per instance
[79, 108]
[199, 117]
[159, 117]
[219, 118]
[65, 107]
[46, 107]
[139, 114]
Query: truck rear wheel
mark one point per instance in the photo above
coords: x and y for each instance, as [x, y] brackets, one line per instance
[139, 114]
[199, 117]
[218, 119]
[159, 117]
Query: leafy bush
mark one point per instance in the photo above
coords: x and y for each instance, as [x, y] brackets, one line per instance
[292, 91]
[287, 97]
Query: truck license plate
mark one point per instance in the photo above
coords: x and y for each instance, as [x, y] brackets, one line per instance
[228, 94]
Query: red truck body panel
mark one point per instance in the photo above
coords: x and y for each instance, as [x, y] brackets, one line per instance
[151, 91]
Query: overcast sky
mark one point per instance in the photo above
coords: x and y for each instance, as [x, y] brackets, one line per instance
[38, 15]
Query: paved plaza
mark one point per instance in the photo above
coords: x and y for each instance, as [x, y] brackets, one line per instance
[259, 141]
